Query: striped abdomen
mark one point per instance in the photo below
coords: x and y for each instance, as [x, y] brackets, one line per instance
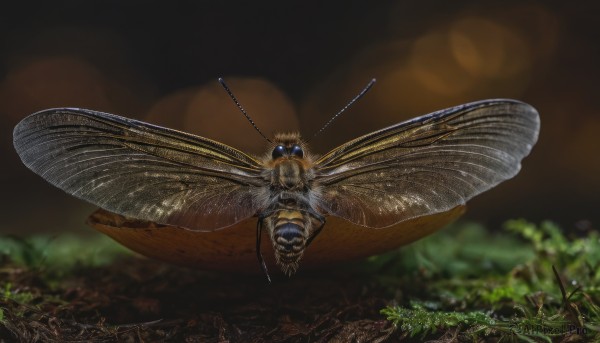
[289, 230]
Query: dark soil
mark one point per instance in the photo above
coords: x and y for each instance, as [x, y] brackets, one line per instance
[139, 300]
[463, 284]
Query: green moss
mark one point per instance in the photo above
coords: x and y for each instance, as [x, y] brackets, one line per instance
[530, 284]
[419, 321]
[60, 252]
[23, 297]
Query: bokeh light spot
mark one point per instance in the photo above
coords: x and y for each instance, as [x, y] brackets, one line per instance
[57, 81]
[436, 68]
[487, 49]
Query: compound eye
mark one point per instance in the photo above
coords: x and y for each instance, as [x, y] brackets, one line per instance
[278, 152]
[297, 151]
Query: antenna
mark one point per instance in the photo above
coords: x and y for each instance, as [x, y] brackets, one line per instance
[360, 95]
[222, 82]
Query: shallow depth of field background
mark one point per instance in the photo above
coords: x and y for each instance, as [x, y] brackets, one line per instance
[292, 67]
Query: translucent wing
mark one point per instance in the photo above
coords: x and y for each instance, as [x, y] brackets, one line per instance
[140, 170]
[428, 164]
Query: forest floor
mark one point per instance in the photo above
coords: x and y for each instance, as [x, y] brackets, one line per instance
[526, 283]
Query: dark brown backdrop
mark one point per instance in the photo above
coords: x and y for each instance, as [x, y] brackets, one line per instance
[293, 66]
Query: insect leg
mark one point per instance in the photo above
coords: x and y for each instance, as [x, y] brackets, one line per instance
[261, 261]
[321, 219]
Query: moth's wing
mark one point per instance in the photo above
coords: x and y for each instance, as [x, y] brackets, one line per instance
[140, 170]
[428, 164]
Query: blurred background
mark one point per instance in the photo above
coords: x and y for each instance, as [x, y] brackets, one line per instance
[292, 67]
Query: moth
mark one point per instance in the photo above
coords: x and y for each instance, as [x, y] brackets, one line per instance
[422, 166]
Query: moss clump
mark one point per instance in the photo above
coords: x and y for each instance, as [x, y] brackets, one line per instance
[550, 293]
